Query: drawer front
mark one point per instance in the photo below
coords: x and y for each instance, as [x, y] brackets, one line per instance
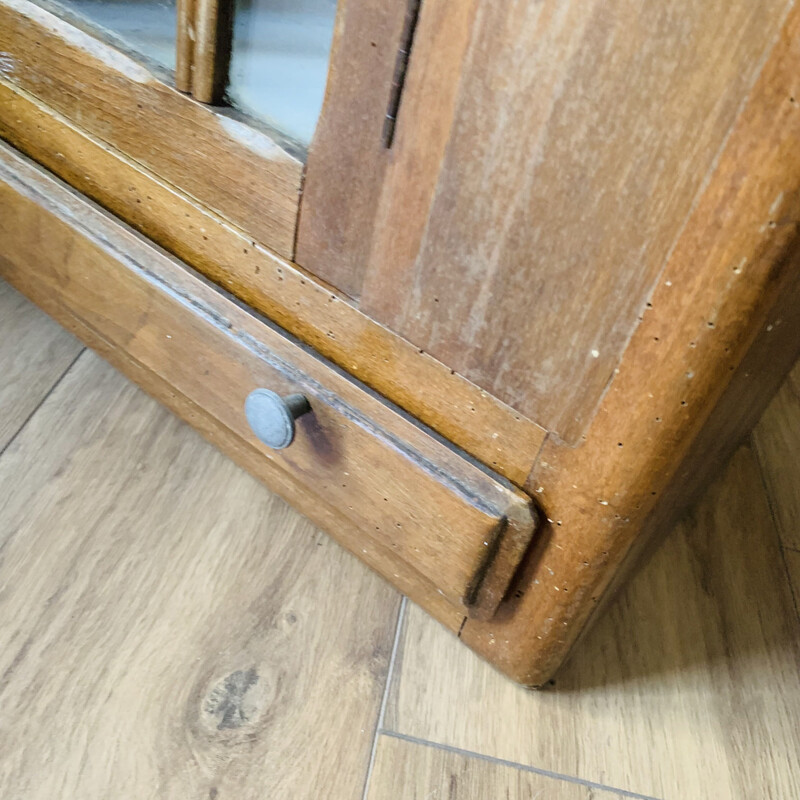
[407, 492]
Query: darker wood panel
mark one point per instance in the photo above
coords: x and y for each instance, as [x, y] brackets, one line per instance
[234, 169]
[347, 158]
[530, 201]
[454, 523]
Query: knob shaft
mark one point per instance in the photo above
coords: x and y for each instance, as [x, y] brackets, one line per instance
[271, 417]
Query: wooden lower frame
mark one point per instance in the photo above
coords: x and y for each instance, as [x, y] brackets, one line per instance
[407, 496]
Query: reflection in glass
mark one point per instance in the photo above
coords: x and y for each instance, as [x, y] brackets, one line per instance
[146, 26]
[279, 62]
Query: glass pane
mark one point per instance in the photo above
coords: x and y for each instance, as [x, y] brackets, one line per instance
[279, 62]
[145, 26]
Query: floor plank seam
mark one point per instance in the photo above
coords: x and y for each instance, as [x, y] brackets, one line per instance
[753, 443]
[386, 689]
[776, 525]
[41, 402]
[515, 765]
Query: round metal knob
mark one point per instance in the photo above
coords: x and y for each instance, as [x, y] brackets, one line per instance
[271, 417]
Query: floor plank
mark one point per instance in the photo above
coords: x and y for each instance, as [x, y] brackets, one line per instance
[688, 687]
[34, 353]
[777, 440]
[793, 567]
[412, 771]
[170, 628]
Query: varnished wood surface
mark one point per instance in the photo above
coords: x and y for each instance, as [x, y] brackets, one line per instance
[184, 45]
[777, 439]
[169, 628]
[461, 529]
[726, 304]
[212, 47]
[472, 419]
[147, 574]
[688, 686]
[235, 169]
[34, 353]
[546, 158]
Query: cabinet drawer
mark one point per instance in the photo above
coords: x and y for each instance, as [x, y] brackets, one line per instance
[407, 492]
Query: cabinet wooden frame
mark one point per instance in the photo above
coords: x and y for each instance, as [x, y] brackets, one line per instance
[452, 524]
[57, 74]
[472, 419]
[546, 157]
[720, 329]
[246, 175]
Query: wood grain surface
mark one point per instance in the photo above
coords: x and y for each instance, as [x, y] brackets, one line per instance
[687, 687]
[34, 353]
[469, 417]
[411, 771]
[167, 622]
[455, 524]
[777, 440]
[184, 45]
[237, 170]
[212, 48]
[676, 687]
[546, 157]
[793, 568]
[733, 311]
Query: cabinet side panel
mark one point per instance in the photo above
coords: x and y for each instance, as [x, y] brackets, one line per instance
[579, 137]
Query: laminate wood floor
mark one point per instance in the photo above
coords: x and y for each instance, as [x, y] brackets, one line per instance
[170, 629]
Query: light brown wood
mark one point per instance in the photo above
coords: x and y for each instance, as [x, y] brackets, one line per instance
[733, 312]
[34, 354]
[411, 771]
[213, 21]
[688, 687]
[167, 622]
[455, 524]
[546, 157]
[777, 440]
[184, 45]
[233, 168]
[467, 416]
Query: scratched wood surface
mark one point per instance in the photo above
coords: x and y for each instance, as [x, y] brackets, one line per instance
[546, 156]
[777, 439]
[169, 627]
[34, 353]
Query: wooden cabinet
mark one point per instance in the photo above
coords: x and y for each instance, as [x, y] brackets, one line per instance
[536, 271]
